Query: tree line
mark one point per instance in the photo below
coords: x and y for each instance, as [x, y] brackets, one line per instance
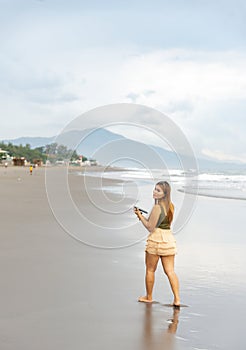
[52, 152]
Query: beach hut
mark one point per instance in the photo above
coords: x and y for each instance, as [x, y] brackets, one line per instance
[19, 161]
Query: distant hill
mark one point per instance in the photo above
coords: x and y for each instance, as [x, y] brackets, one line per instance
[34, 142]
[111, 148]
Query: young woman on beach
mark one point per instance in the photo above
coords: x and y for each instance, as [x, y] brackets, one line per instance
[161, 244]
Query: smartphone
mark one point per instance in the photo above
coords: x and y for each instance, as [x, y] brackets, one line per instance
[141, 210]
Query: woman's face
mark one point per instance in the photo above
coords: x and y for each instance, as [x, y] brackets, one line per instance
[158, 192]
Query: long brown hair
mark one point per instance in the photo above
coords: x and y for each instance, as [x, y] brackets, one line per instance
[167, 199]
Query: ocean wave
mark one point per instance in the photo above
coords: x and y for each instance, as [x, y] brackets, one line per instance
[222, 193]
[216, 185]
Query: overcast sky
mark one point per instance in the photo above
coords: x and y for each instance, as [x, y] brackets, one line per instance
[187, 59]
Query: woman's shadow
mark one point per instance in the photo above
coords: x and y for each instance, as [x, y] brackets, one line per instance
[159, 334]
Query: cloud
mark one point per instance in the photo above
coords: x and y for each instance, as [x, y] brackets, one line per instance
[221, 156]
[180, 106]
[203, 92]
[60, 60]
[196, 75]
[133, 97]
[149, 92]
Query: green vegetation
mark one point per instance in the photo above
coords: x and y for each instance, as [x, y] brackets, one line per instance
[53, 152]
[57, 152]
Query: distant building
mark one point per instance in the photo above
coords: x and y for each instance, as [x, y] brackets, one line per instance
[91, 162]
[83, 161]
[21, 161]
[4, 157]
[37, 162]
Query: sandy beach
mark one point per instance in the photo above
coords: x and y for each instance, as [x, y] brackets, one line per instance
[59, 292]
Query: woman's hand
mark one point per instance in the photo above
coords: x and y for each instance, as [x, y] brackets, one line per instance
[151, 222]
[137, 212]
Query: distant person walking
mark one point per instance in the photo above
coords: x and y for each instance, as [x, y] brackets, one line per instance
[30, 169]
[161, 244]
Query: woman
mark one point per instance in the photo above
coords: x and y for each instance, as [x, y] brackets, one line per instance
[161, 243]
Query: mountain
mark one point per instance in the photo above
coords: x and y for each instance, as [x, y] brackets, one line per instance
[92, 139]
[114, 149]
[34, 142]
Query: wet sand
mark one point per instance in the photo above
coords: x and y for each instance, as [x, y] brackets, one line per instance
[58, 293]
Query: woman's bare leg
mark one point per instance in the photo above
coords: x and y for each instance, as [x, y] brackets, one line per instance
[151, 262]
[168, 267]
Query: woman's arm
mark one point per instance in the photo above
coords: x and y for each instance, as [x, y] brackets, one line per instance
[152, 220]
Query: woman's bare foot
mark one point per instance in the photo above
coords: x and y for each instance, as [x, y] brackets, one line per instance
[176, 303]
[145, 300]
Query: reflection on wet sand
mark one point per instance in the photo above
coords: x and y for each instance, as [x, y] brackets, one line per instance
[157, 336]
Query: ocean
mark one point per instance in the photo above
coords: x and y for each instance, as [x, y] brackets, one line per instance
[227, 184]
